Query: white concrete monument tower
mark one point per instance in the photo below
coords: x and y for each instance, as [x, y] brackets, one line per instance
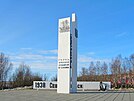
[67, 55]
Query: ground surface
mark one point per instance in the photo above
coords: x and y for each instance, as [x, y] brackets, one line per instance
[43, 95]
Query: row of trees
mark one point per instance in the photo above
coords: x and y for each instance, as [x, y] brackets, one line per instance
[120, 71]
[96, 72]
[22, 76]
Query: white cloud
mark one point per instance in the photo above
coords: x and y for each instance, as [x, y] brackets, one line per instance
[85, 58]
[84, 61]
[38, 65]
[35, 60]
[47, 61]
[16, 63]
[48, 51]
[26, 48]
[91, 53]
[27, 57]
[45, 66]
[32, 57]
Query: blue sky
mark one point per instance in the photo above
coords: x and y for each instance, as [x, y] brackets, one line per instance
[28, 30]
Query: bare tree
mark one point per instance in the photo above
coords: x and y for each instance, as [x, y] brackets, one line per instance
[36, 77]
[131, 71]
[24, 77]
[83, 74]
[84, 71]
[92, 71]
[45, 77]
[19, 75]
[54, 78]
[125, 66]
[98, 68]
[5, 68]
[132, 62]
[104, 68]
[122, 72]
[116, 69]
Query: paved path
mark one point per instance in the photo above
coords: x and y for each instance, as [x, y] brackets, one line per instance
[43, 95]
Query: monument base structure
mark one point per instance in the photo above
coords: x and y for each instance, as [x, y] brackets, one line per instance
[67, 55]
[81, 85]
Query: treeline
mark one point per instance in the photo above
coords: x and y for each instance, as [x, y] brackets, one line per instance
[120, 72]
[21, 77]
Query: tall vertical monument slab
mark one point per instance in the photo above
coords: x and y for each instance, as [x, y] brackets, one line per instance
[67, 55]
[74, 32]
